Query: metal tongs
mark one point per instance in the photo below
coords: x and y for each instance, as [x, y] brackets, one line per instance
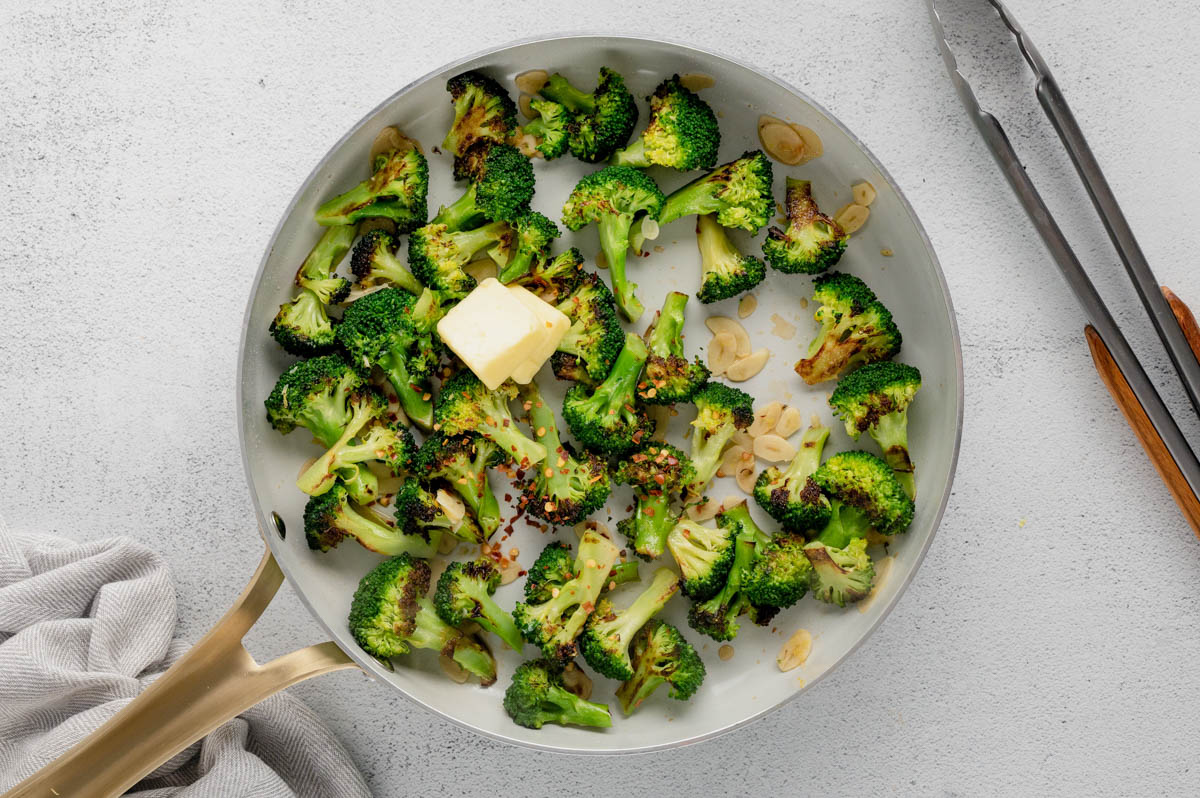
[1116, 362]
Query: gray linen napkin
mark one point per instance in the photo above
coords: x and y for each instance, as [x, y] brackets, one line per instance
[84, 627]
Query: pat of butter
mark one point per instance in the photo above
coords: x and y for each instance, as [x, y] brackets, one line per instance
[492, 331]
[554, 325]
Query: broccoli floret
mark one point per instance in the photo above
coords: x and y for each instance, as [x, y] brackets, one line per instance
[553, 278]
[553, 568]
[609, 631]
[314, 394]
[864, 493]
[607, 419]
[437, 254]
[464, 593]
[704, 556]
[598, 123]
[422, 515]
[303, 327]
[622, 574]
[537, 697]
[398, 190]
[720, 412]
[530, 241]
[374, 261]
[660, 656]
[366, 437]
[317, 272]
[565, 488]
[501, 187]
[789, 495]
[724, 272]
[466, 406]
[717, 616]
[875, 399]
[856, 328]
[682, 132]
[738, 192]
[331, 517]
[589, 348]
[812, 242]
[390, 616]
[781, 574]
[544, 136]
[612, 198]
[842, 575]
[670, 377]
[463, 462]
[482, 111]
[655, 471]
[552, 620]
[377, 329]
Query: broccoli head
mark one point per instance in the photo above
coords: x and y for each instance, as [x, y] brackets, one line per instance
[660, 656]
[875, 399]
[724, 272]
[501, 187]
[781, 574]
[314, 394]
[598, 123]
[656, 471]
[303, 327]
[553, 616]
[537, 696]
[812, 242]
[332, 517]
[670, 377]
[721, 411]
[317, 272]
[738, 192]
[864, 493]
[390, 615]
[366, 437]
[841, 575]
[544, 136]
[856, 328]
[594, 340]
[374, 262]
[438, 254]
[612, 198]
[465, 406]
[529, 242]
[790, 495]
[565, 488]
[463, 462]
[398, 190]
[607, 419]
[717, 616]
[554, 277]
[704, 556]
[464, 593]
[609, 631]
[482, 111]
[682, 132]
[423, 515]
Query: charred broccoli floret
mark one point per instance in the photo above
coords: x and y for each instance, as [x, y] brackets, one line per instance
[612, 198]
[553, 616]
[856, 328]
[390, 615]
[656, 471]
[717, 616]
[720, 412]
[864, 493]
[738, 192]
[704, 556]
[660, 656]
[875, 399]
[607, 420]
[374, 261]
[303, 327]
[501, 187]
[841, 575]
[529, 242]
[599, 123]
[682, 132]
[812, 242]
[565, 488]
[670, 377]
[421, 514]
[781, 574]
[554, 277]
[609, 631]
[377, 329]
[594, 339]
[317, 273]
[438, 254]
[544, 136]
[463, 462]
[367, 437]
[725, 272]
[314, 394]
[537, 697]
[464, 593]
[466, 406]
[398, 190]
[332, 517]
[790, 495]
[482, 111]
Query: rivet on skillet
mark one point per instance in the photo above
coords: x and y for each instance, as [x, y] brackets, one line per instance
[280, 527]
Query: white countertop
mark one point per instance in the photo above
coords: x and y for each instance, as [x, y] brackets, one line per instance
[1048, 644]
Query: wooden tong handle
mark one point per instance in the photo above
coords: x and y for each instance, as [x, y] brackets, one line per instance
[1131, 408]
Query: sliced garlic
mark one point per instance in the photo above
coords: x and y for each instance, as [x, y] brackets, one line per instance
[481, 269]
[577, 682]
[724, 324]
[531, 81]
[782, 143]
[765, 419]
[509, 571]
[743, 439]
[722, 352]
[661, 416]
[773, 448]
[731, 460]
[650, 229]
[695, 81]
[813, 148]
[852, 217]
[725, 652]
[795, 651]
[388, 139]
[747, 305]
[704, 511]
[528, 110]
[453, 506]
[746, 367]
[864, 193]
[453, 670]
[746, 477]
[789, 421]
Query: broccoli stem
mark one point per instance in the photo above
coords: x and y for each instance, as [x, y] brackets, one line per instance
[618, 387]
[475, 489]
[706, 454]
[505, 434]
[694, 198]
[492, 617]
[846, 524]
[559, 90]
[361, 484]
[662, 587]
[327, 253]
[808, 454]
[653, 521]
[545, 432]
[666, 339]
[430, 631]
[622, 573]
[388, 267]
[470, 242]
[337, 211]
[716, 250]
[614, 242]
[633, 155]
[415, 400]
[374, 533]
[891, 433]
[462, 214]
[320, 476]
[575, 710]
[326, 416]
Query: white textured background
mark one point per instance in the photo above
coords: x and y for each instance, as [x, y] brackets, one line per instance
[146, 153]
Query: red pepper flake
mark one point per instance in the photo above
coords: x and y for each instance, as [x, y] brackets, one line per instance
[508, 497]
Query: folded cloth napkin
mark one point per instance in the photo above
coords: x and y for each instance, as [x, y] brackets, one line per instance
[84, 627]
